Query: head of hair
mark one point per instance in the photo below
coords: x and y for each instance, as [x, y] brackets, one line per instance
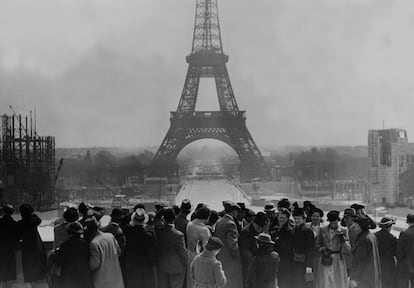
[203, 213]
[169, 215]
[83, 209]
[214, 216]
[26, 210]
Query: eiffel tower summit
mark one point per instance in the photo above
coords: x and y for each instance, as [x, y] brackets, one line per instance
[228, 125]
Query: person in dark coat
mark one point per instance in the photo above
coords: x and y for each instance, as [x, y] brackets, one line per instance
[405, 255]
[303, 246]
[366, 266]
[248, 242]
[387, 248]
[282, 236]
[114, 227]
[140, 253]
[262, 271]
[61, 230]
[181, 220]
[33, 253]
[172, 256]
[72, 256]
[8, 245]
[271, 217]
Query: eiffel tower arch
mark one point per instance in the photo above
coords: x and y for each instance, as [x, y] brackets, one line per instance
[228, 125]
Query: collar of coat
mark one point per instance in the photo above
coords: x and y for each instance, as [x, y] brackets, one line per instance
[199, 222]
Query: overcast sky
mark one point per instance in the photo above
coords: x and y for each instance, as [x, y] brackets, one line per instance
[308, 72]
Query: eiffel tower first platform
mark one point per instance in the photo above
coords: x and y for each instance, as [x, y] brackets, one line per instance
[228, 125]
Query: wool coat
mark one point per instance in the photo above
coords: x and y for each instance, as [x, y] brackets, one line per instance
[34, 260]
[282, 236]
[8, 244]
[366, 266]
[140, 257]
[207, 271]
[229, 255]
[116, 230]
[247, 247]
[387, 248]
[336, 274]
[104, 261]
[72, 257]
[303, 243]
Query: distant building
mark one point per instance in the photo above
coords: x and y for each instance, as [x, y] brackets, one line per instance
[390, 155]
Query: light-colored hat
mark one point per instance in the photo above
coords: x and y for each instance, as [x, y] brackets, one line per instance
[264, 238]
[139, 217]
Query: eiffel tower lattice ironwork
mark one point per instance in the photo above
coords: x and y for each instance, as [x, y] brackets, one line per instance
[228, 125]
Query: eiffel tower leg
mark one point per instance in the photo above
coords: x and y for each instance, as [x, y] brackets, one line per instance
[252, 162]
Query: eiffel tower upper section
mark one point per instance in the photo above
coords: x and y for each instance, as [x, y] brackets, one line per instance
[207, 59]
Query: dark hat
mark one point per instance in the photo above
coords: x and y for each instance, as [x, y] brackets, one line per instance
[159, 205]
[169, 215]
[91, 223]
[363, 222]
[284, 203]
[350, 212]
[386, 222]
[214, 243]
[71, 214]
[176, 209]
[333, 215]
[75, 228]
[8, 209]
[230, 206]
[235, 206]
[260, 219]
[116, 213]
[410, 218]
[242, 206]
[298, 212]
[316, 210]
[139, 205]
[269, 207]
[357, 206]
[185, 205]
[264, 238]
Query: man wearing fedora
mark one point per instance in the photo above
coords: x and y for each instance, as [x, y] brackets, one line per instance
[248, 243]
[140, 253]
[172, 256]
[387, 247]
[114, 227]
[262, 271]
[229, 255]
[181, 221]
[405, 255]
[60, 231]
[72, 257]
[271, 217]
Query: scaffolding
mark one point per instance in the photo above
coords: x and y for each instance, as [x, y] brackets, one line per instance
[27, 163]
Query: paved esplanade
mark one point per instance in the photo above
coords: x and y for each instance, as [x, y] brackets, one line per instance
[210, 192]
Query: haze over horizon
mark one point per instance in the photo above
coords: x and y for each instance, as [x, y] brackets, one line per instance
[310, 73]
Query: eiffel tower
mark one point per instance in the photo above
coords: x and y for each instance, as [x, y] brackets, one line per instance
[228, 125]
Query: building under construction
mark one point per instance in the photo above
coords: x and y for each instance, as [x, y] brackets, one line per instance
[27, 163]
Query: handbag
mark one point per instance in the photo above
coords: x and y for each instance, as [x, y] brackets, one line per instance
[326, 260]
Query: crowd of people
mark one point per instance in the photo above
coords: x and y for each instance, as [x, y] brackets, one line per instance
[286, 246]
